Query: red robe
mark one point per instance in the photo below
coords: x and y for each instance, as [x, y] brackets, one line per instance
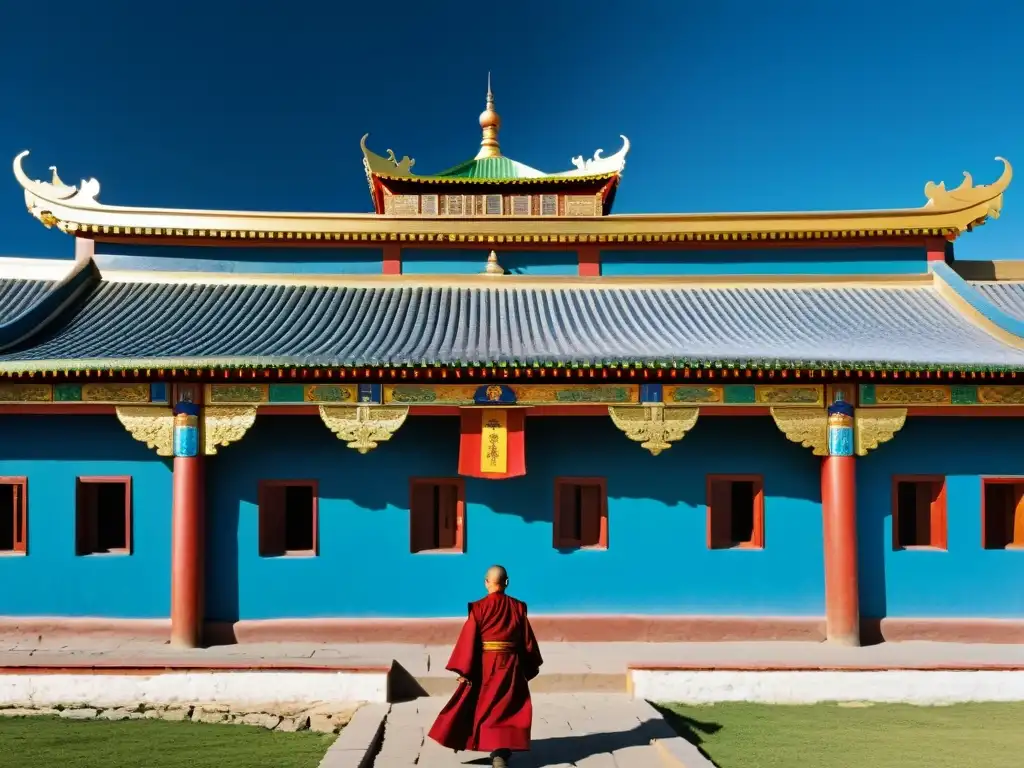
[493, 710]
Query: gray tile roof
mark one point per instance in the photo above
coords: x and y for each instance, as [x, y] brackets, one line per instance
[177, 325]
[1009, 297]
[18, 296]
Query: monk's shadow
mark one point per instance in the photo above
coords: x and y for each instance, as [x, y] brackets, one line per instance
[570, 750]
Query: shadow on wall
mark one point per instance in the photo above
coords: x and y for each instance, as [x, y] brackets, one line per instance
[656, 505]
[958, 582]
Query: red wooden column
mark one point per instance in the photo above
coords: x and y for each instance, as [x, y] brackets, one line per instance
[839, 523]
[187, 523]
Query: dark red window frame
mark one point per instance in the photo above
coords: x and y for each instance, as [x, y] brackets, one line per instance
[719, 489]
[586, 497]
[19, 536]
[437, 515]
[272, 516]
[932, 505]
[85, 515]
[1003, 530]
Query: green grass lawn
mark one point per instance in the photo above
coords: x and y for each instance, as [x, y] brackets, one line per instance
[50, 741]
[739, 735]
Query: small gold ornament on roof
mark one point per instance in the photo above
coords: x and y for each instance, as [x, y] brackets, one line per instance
[493, 267]
[490, 122]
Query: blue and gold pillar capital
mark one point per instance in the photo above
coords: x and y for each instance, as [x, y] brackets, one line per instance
[840, 427]
[186, 429]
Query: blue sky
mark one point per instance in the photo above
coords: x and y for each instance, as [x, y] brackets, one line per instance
[729, 105]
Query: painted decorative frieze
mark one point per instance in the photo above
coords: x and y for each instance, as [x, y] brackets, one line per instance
[886, 395]
[797, 395]
[364, 427]
[522, 394]
[149, 424]
[107, 393]
[655, 427]
[284, 394]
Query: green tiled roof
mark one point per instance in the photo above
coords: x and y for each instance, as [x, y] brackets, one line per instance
[488, 168]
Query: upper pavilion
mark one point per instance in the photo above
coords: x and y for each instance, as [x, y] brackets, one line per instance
[491, 184]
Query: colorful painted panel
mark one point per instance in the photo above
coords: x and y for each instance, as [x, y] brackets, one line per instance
[587, 394]
[93, 393]
[811, 395]
[280, 394]
[25, 393]
[940, 395]
[427, 394]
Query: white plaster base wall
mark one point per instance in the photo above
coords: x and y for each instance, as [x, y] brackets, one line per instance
[893, 686]
[192, 687]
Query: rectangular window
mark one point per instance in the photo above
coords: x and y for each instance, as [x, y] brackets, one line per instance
[1002, 513]
[521, 205]
[429, 205]
[492, 205]
[103, 516]
[581, 513]
[288, 518]
[919, 512]
[549, 205]
[13, 514]
[735, 511]
[437, 515]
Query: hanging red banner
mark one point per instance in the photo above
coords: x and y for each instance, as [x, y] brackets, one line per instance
[492, 443]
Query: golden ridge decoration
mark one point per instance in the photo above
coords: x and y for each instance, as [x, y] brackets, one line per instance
[874, 426]
[655, 427]
[225, 424]
[149, 424]
[364, 427]
[967, 195]
[385, 166]
[805, 426]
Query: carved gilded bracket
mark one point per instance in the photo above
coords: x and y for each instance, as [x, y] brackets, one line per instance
[152, 425]
[807, 426]
[363, 427]
[655, 427]
[225, 424]
[874, 426]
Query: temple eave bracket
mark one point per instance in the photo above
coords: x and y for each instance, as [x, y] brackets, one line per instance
[875, 426]
[806, 426]
[149, 424]
[364, 427]
[655, 427]
[225, 424]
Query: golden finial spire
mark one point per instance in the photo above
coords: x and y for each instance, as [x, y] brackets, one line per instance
[490, 122]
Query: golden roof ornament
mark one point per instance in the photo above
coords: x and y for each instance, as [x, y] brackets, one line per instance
[493, 267]
[490, 122]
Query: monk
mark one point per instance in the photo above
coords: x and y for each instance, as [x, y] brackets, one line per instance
[495, 657]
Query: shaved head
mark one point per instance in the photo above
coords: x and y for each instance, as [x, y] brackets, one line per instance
[496, 578]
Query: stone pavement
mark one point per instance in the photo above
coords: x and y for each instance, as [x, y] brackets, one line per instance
[585, 730]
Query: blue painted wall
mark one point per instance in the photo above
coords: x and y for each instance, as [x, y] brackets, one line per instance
[52, 451]
[263, 260]
[966, 580]
[657, 562]
[777, 261]
[470, 262]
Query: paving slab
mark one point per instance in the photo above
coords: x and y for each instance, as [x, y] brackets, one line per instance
[570, 730]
